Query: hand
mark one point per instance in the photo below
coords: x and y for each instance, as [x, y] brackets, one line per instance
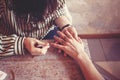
[72, 31]
[69, 44]
[36, 47]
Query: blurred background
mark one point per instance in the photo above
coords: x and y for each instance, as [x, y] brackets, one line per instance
[95, 16]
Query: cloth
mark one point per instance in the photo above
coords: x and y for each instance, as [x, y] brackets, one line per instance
[13, 29]
[51, 34]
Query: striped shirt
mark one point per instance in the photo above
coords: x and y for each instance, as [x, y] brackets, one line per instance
[13, 28]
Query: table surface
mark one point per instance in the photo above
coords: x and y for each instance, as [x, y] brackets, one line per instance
[52, 66]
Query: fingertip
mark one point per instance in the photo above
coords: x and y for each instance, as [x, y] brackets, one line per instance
[58, 32]
[65, 55]
[53, 44]
[54, 36]
[79, 38]
[59, 51]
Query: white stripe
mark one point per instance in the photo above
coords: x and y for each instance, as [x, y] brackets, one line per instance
[6, 54]
[20, 46]
[16, 50]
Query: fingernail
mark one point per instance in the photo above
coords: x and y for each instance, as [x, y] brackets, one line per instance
[59, 51]
[54, 36]
[58, 32]
[65, 55]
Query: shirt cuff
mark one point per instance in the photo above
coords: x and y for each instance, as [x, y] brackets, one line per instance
[19, 46]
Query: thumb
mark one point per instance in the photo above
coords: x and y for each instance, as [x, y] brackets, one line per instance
[41, 43]
[44, 49]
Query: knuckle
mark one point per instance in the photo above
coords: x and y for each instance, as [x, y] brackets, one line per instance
[69, 40]
[66, 43]
[65, 47]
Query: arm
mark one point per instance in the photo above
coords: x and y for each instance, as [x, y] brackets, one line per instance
[75, 49]
[62, 15]
[88, 69]
[15, 45]
[11, 45]
[64, 18]
[61, 21]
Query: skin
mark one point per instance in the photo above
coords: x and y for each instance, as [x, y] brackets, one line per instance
[36, 47]
[63, 20]
[29, 43]
[74, 48]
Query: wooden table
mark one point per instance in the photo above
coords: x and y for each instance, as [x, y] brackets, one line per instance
[52, 66]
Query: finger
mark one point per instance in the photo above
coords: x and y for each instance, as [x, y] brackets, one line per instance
[44, 50]
[61, 47]
[65, 55]
[36, 51]
[68, 34]
[80, 40]
[46, 47]
[59, 51]
[42, 46]
[56, 42]
[62, 35]
[38, 42]
[73, 32]
[59, 40]
[40, 51]
[75, 35]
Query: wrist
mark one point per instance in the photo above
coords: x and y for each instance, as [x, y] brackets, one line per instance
[65, 26]
[83, 58]
[19, 46]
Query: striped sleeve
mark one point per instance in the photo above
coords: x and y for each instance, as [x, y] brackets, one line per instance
[62, 10]
[11, 45]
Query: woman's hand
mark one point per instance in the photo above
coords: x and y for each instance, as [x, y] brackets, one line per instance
[75, 49]
[69, 44]
[72, 31]
[36, 47]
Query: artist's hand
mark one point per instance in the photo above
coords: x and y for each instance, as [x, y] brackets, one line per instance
[69, 44]
[35, 47]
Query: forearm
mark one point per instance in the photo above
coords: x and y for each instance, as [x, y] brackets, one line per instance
[88, 69]
[62, 21]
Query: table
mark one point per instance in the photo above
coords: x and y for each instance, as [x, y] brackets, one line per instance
[52, 66]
